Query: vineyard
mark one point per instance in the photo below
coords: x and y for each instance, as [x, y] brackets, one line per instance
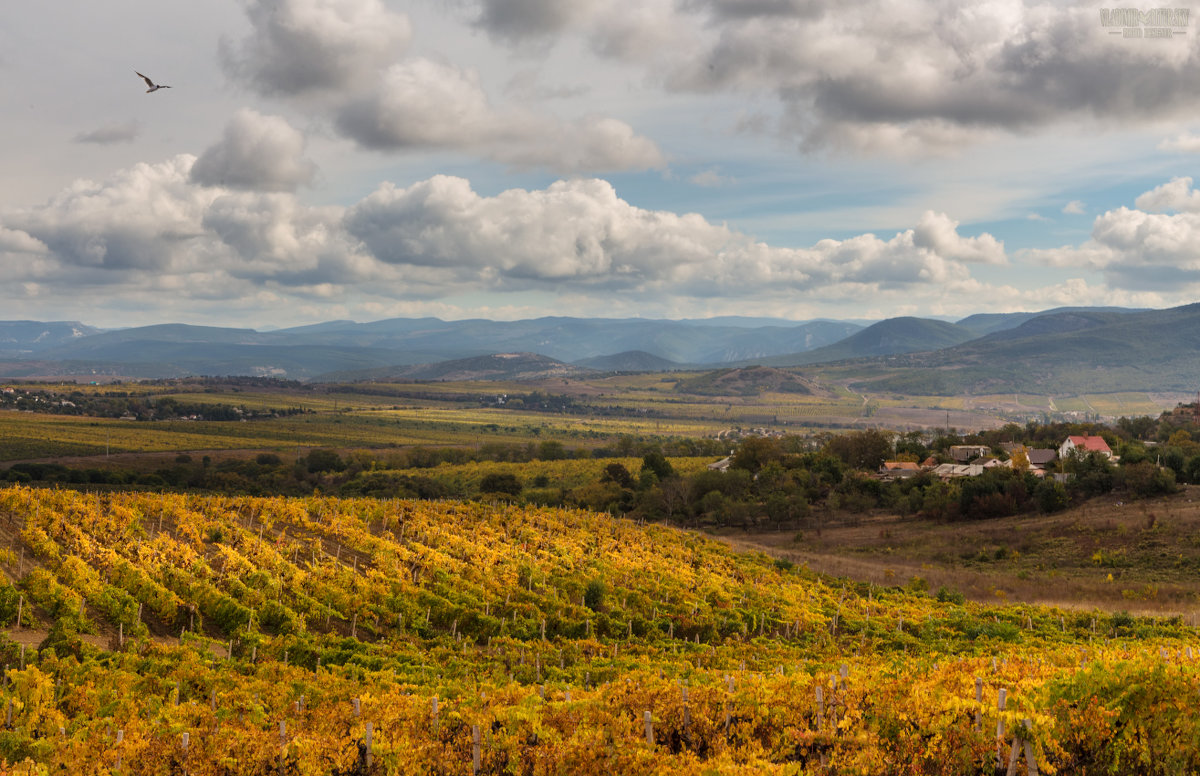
[212, 635]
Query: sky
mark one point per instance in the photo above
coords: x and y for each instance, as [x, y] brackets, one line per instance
[317, 160]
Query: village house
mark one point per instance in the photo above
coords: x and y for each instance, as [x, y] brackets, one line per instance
[721, 465]
[895, 470]
[948, 471]
[968, 453]
[1041, 459]
[1084, 444]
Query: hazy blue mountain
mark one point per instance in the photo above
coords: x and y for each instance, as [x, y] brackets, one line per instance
[629, 361]
[497, 366]
[1054, 351]
[347, 345]
[1068, 352]
[886, 338]
[19, 338]
[982, 324]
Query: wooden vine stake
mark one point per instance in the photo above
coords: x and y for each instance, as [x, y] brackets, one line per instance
[282, 743]
[1022, 745]
[979, 701]
[1003, 696]
[729, 690]
[476, 750]
[646, 717]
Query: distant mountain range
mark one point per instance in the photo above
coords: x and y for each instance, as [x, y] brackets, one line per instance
[1054, 351]
[886, 338]
[346, 347]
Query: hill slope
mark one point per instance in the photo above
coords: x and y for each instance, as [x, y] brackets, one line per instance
[983, 324]
[573, 642]
[18, 338]
[629, 361]
[497, 366]
[745, 381]
[1072, 352]
[886, 338]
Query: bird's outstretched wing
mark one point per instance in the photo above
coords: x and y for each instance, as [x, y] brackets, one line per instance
[153, 86]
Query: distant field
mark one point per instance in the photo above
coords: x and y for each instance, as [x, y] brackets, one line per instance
[568, 474]
[379, 415]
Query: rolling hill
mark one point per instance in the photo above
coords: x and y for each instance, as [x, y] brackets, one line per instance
[22, 338]
[629, 361]
[744, 381]
[1069, 352]
[519, 367]
[886, 338]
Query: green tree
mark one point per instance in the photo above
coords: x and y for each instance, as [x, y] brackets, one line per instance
[616, 472]
[497, 482]
[1050, 495]
[324, 461]
[656, 462]
[755, 453]
[862, 450]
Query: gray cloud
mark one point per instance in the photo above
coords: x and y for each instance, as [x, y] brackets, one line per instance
[111, 134]
[520, 20]
[17, 241]
[427, 104]
[145, 218]
[746, 9]
[346, 54]
[256, 152]
[908, 77]
[301, 46]
[525, 85]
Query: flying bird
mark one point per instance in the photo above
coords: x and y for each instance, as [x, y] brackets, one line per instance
[153, 86]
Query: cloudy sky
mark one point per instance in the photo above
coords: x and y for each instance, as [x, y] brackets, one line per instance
[367, 159]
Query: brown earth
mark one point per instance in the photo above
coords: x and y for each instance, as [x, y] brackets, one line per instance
[1109, 553]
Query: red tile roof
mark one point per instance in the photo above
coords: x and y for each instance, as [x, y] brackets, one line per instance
[1091, 443]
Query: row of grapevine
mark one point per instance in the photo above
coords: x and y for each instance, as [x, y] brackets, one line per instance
[569, 641]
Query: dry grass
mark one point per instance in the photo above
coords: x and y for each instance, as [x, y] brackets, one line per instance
[1108, 554]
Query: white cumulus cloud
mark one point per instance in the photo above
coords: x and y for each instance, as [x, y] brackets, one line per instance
[301, 46]
[426, 104]
[256, 152]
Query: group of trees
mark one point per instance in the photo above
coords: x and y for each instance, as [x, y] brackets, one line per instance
[795, 482]
[122, 404]
[783, 482]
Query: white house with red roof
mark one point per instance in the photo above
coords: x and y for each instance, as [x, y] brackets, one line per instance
[1085, 444]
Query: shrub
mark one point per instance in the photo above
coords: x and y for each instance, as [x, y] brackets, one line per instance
[593, 596]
